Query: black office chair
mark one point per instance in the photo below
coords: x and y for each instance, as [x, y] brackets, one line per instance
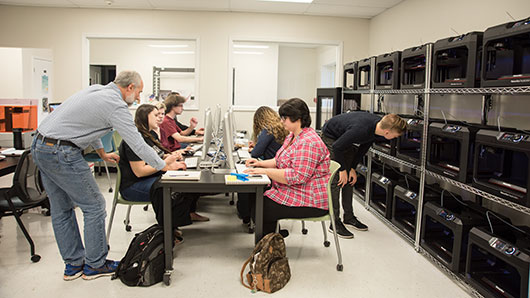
[26, 193]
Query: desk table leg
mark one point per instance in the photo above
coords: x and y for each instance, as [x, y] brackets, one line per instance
[168, 235]
[258, 233]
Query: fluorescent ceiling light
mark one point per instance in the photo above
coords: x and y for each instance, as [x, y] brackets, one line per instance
[178, 52]
[242, 46]
[248, 53]
[294, 1]
[168, 45]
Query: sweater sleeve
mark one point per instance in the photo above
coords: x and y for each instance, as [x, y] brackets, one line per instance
[345, 142]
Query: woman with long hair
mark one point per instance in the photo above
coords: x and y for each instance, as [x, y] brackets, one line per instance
[138, 178]
[268, 136]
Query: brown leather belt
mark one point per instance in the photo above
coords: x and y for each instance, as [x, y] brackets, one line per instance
[55, 141]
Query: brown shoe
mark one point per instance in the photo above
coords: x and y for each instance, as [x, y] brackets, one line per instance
[197, 217]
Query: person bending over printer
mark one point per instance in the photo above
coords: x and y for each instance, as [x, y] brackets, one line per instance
[137, 177]
[268, 136]
[299, 171]
[171, 138]
[340, 133]
[185, 128]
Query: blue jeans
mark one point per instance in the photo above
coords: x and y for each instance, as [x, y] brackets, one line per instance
[69, 182]
[139, 192]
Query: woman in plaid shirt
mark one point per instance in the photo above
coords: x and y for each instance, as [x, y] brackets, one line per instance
[299, 171]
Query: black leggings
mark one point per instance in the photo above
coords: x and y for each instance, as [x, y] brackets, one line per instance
[180, 206]
[273, 211]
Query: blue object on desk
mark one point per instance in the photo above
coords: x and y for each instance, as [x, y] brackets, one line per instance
[242, 177]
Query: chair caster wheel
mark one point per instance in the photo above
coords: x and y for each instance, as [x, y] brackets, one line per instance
[304, 231]
[326, 243]
[146, 207]
[339, 267]
[128, 228]
[110, 189]
[231, 203]
[35, 258]
[47, 213]
[167, 278]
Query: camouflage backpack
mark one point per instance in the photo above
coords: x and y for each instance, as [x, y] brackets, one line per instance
[269, 268]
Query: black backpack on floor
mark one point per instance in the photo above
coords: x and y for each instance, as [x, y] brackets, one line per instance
[143, 264]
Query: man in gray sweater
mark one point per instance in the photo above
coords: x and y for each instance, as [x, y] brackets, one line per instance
[57, 151]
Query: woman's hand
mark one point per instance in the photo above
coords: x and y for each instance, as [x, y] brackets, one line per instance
[251, 145]
[178, 165]
[255, 171]
[170, 159]
[252, 162]
[343, 178]
[178, 154]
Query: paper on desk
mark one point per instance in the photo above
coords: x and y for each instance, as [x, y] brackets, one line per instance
[12, 152]
[182, 175]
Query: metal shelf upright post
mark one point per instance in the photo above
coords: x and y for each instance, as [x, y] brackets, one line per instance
[369, 160]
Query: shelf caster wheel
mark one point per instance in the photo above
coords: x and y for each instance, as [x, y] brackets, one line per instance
[108, 246]
[167, 278]
[35, 258]
[146, 207]
[339, 267]
[304, 231]
[231, 203]
[128, 228]
[326, 243]
[110, 189]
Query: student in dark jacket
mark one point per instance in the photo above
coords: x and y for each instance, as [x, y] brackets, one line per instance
[138, 178]
[340, 133]
[268, 136]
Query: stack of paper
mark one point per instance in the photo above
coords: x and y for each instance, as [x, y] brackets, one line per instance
[182, 175]
[12, 152]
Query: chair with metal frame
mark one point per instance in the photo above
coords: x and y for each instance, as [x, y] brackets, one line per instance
[25, 193]
[333, 168]
[109, 146]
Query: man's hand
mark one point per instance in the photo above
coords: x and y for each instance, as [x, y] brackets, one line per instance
[193, 122]
[353, 177]
[111, 157]
[170, 159]
[343, 178]
[179, 165]
[199, 132]
[178, 154]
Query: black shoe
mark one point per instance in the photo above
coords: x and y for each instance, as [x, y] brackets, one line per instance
[355, 224]
[342, 232]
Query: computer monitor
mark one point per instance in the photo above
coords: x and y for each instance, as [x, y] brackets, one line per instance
[208, 133]
[217, 127]
[232, 120]
[228, 142]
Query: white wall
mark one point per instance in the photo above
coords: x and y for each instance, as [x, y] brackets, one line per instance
[415, 22]
[137, 54]
[11, 73]
[62, 30]
[297, 71]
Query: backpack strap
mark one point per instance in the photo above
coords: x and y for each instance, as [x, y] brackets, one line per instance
[242, 271]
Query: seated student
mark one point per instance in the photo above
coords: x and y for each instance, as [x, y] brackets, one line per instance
[160, 118]
[137, 178]
[299, 171]
[170, 132]
[268, 136]
[171, 138]
[186, 129]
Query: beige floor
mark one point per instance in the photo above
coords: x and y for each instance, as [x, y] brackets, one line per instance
[377, 263]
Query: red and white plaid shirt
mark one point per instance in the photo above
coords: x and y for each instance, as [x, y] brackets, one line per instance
[306, 164]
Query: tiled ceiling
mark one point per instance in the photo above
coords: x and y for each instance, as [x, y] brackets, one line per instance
[340, 8]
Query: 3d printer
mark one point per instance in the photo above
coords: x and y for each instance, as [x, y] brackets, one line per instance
[457, 60]
[382, 189]
[501, 164]
[408, 145]
[413, 62]
[450, 150]
[498, 261]
[387, 70]
[350, 73]
[364, 72]
[506, 58]
[445, 229]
